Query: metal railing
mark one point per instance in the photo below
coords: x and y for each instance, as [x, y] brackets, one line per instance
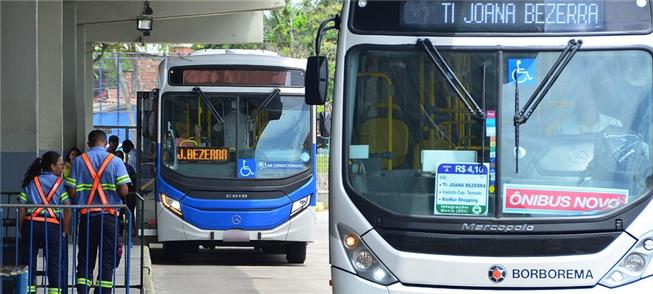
[89, 233]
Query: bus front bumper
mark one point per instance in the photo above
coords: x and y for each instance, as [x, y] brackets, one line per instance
[299, 228]
[345, 283]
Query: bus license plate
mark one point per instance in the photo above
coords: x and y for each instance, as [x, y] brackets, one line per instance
[235, 236]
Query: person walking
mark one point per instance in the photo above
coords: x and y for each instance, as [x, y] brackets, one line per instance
[43, 227]
[97, 178]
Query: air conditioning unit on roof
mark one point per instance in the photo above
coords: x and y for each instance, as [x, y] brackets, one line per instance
[234, 51]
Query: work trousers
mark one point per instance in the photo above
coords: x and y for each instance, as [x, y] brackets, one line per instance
[38, 234]
[97, 233]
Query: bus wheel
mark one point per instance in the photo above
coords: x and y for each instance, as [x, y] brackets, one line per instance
[296, 252]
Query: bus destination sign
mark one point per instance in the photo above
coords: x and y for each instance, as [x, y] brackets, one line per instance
[199, 154]
[504, 16]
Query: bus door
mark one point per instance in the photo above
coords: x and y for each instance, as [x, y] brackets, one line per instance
[146, 144]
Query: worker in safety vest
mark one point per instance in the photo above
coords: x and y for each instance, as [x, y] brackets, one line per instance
[97, 178]
[44, 227]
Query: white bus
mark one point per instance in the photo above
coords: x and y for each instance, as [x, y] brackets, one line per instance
[233, 144]
[490, 146]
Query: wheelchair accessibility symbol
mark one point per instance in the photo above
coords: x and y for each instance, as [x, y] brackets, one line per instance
[246, 168]
[523, 70]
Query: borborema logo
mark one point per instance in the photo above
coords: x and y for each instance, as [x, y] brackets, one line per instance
[496, 273]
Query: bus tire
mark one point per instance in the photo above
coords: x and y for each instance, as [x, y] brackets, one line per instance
[296, 253]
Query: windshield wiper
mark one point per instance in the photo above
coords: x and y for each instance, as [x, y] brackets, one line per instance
[451, 78]
[271, 96]
[208, 104]
[522, 115]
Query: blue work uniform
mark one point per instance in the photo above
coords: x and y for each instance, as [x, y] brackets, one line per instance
[114, 175]
[97, 227]
[42, 229]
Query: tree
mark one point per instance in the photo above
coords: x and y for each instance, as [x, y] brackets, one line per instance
[291, 32]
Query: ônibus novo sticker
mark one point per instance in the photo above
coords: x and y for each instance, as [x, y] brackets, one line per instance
[557, 199]
[461, 189]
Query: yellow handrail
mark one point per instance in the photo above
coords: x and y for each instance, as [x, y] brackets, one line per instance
[389, 90]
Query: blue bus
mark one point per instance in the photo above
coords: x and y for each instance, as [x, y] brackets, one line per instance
[227, 148]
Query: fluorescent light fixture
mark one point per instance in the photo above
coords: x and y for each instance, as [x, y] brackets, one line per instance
[144, 25]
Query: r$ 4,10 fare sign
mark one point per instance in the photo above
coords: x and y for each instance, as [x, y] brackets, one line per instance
[461, 189]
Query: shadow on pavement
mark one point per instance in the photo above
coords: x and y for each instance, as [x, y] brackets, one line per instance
[222, 256]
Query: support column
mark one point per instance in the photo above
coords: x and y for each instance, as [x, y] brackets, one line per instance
[32, 96]
[83, 87]
[19, 95]
[50, 76]
[69, 75]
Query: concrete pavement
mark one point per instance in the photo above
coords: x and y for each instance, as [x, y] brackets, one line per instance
[244, 271]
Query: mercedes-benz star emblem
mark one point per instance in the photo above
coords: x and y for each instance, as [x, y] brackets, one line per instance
[497, 273]
[236, 219]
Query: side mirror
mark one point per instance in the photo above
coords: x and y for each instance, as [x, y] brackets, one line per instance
[316, 80]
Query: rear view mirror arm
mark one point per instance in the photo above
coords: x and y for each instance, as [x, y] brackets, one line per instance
[323, 29]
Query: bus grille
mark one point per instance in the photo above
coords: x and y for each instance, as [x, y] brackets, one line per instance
[498, 245]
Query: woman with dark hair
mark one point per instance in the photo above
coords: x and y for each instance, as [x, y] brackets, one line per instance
[72, 153]
[42, 227]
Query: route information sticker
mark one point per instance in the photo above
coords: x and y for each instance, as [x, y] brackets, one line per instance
[461, 189]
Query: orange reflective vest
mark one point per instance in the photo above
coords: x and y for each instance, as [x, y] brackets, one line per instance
[46, 201]
[97, 185]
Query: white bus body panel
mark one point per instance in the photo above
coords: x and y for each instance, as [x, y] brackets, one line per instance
[472, 271]
[642, 225]
[460, 273]
[347, 283]
[300, 228]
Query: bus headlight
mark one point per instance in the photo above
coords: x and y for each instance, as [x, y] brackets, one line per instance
[171, 204]
[365, 263]
[300, 204]
[633, 265]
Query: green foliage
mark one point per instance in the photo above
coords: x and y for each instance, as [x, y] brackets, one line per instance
[291, 32]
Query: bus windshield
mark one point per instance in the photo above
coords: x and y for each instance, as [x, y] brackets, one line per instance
[247, 137]
[414, 149]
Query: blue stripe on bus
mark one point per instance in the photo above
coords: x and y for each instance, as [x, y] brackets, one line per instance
[305, 190]
[228, 204]
[224, 220]
[257, 214]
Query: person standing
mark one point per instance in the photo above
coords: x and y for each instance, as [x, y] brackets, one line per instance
[97, 178]
[113, 144]
[130, 201]
[130, 153]
[72, 153]
[42, 227]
